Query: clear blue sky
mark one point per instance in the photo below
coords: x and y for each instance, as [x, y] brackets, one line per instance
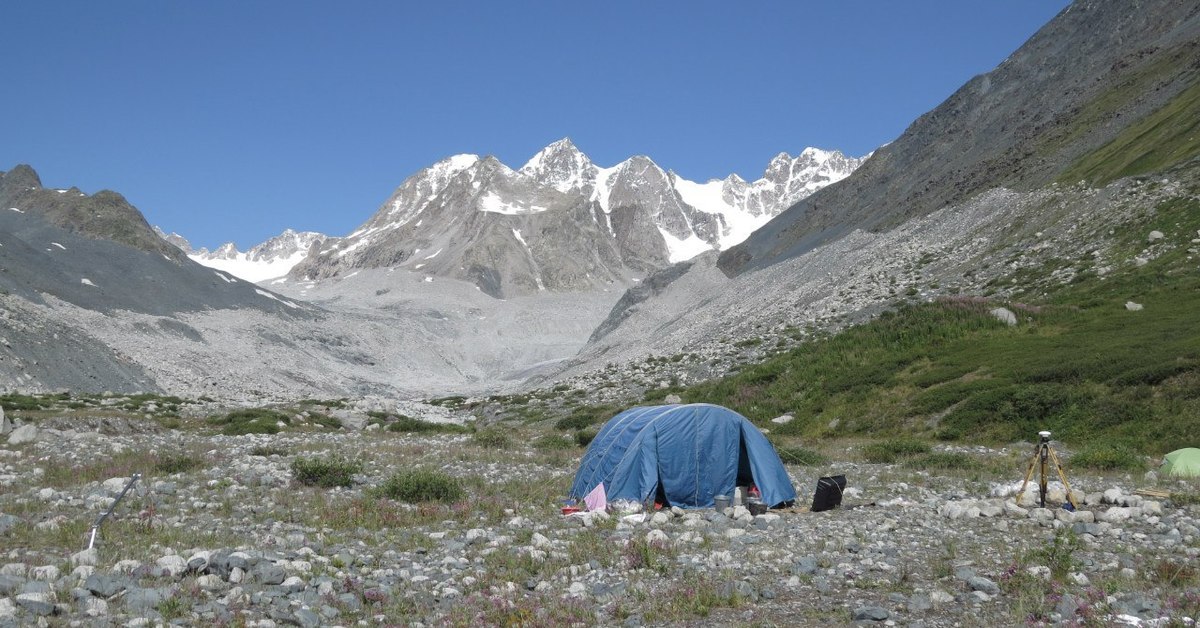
[226, 120]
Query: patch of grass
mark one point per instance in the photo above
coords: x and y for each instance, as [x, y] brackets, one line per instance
[795, 454]
[173, 607]
[251, 421]
[177, 463]
[324, 420]
[653, 555]
[552, 442]
[942, 461]
[479, 609]
[586, 416]
[1058, 554]
[493, 437]
[324, 403]
[453, 401]
[421, 486]
[1185, 499]
[123, 465]
[687, 598]
[891, 450]
[269, 450]
[410, 425]
[1164, 138]
[1176, 574]
[325, 472]
[1108, 457]
[17, 401]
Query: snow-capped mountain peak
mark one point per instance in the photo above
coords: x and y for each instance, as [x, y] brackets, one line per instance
[562, 166]
[579, 224]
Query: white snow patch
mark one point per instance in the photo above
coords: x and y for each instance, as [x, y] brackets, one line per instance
[59, 245]
[250, 270]
[517, 234]
[434, 255]
[87, 282]
[709, 198]
[739, 226]
[603, 187]
[418, 267]
[705, 197]
[460, 162]
[357, 245]
[681, 250]
[491, 202]
[428, 279]
[61, 191]
[271, 296]
[226, 279]
[16, 210]
[352, 274]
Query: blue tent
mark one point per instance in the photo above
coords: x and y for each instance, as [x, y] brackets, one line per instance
[683, 454]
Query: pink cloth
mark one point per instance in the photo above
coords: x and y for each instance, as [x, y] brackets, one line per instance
[596, 500]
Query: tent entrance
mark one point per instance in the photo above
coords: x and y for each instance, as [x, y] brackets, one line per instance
[745, 475]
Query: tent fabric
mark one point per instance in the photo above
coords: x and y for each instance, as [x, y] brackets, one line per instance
[686, 454]
[1182, 463]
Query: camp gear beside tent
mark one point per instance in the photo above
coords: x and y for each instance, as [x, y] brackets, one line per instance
[1182, 463]
[681, 455]
[829, 493]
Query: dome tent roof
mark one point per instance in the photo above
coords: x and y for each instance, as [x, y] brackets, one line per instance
[685, 453]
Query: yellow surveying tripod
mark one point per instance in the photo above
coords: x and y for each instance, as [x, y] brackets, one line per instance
[1043, 454]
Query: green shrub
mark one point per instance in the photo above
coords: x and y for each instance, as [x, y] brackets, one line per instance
[551, 442]
[408, 424]
[251, 421]
[421, 485]
[324, 420]
[181, 463]
[891, 450]
[17, 401]
[269, 450]
[453, 401]
[1103, 457]
[493, 438]
[325, 472]
[583, 438]
[1059, 554]
[585, 417]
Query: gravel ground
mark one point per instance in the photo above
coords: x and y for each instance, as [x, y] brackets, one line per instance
[219, 533]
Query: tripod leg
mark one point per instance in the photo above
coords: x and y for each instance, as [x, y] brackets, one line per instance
[1063, 476]
[1042, 456]
[1028, 475]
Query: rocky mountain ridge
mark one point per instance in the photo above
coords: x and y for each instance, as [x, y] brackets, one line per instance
[562, 223]
[271, 259]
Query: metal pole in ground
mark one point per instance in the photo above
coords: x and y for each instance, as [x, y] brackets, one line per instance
[105, 515]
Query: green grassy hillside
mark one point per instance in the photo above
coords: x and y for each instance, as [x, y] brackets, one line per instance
[1166, 137]
[1078, 362]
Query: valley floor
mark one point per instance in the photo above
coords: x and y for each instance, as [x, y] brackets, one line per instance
[220, 532]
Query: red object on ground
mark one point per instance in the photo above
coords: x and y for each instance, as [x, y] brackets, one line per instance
[569, 509]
